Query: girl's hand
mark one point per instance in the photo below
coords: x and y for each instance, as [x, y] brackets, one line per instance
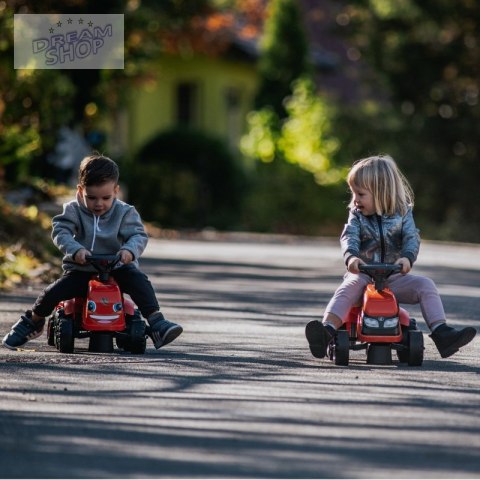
[405, 263]
[353, 264]
[126, 256]
[80, 256]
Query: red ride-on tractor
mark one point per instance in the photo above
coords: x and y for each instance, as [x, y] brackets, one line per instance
[102, 316]
[379, 325]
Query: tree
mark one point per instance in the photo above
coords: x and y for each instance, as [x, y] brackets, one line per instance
[291, 122]
[289, 140]
[303, 138]
[283, 55]
[428, 56]
[34, 104]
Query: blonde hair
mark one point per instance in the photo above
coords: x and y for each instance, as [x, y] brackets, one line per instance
[381, 176]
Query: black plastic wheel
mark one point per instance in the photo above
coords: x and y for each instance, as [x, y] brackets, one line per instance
[137, 332]
[415, 348]
[404, 354]
[64, 339]
[341, 350]
[138, 342]
[50, 332]
[134, 338]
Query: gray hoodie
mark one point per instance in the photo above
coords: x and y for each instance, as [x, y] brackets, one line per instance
[380, 238]
[77, 227]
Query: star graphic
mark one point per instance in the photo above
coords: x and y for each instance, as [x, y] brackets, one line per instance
[90, 24]
[51, 30]
[59, 24]
[69, 21]
[80, 21]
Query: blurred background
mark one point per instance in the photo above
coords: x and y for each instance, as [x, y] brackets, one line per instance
[245, 115]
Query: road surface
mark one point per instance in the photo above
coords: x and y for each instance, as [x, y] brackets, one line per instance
[238, 394]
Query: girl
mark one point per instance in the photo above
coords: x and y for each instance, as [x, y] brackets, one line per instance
[381, 229]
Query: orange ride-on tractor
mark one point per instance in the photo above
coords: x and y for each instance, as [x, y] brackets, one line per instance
[379, 325]
[102, 316]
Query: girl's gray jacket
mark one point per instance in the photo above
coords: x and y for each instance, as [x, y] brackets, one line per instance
[380, 238]
[119, 228]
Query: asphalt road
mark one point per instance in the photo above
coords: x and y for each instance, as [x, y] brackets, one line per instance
[238, 394]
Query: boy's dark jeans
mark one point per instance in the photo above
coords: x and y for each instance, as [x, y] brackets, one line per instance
[74, 283]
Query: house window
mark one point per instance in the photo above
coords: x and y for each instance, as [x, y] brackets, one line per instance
[234, 122]
[187, 98]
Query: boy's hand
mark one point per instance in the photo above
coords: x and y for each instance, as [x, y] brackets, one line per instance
[80, 256]
[353, 264]
[126, 256]
[405, 263]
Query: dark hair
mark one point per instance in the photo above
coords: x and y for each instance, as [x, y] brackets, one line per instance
[97, 170]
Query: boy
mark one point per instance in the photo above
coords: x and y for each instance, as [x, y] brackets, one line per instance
[96, 222]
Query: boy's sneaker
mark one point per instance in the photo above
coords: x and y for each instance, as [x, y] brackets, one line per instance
[319, 336]
[448, 340]
[23, 331]
[162, 331]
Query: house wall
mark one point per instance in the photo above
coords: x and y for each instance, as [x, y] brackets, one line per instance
[224, 92]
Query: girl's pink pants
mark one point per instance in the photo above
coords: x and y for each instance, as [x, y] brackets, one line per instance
[408, 289]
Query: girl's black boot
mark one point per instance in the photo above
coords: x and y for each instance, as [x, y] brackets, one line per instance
[449, 340]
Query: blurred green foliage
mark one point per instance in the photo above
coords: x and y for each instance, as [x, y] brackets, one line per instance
[33, 105]
[422, 57]
[306, 135]
[304, 138]
[296, 184]
[283, 54]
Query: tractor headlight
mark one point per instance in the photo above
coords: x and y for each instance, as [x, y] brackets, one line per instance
[390, 322]
[91, 306]
[371, 322]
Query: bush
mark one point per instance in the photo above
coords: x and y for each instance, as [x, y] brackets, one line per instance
[183, 178]
[286, 199]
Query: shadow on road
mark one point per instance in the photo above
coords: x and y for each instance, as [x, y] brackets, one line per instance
[214, 420]
[238, 394]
